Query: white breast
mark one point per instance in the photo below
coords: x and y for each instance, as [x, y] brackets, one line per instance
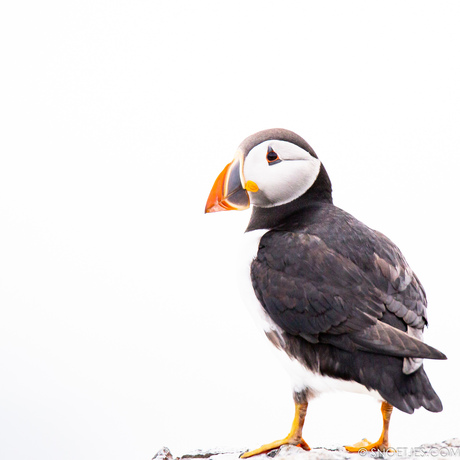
[249, 247]
[301, 377]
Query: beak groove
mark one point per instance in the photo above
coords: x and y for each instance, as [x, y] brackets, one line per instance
[228, 193]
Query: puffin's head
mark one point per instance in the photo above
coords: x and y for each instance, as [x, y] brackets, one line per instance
[270, 168]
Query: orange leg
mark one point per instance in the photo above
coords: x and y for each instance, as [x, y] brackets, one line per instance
[382, 443]
[293, 438]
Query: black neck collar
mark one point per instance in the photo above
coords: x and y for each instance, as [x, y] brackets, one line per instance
[320, 192]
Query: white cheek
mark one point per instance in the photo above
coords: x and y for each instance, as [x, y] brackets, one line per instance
[282, 182]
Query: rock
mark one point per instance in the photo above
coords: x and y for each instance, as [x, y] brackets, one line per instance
[163, 454]
[453, 442]
[222, 453]
[297, 453]
[283, 453]
[449, 449]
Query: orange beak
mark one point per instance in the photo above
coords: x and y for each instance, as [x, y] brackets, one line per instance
[228, 193]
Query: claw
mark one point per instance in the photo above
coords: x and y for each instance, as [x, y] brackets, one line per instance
[367, 445]
[382, 444]
[276, 445]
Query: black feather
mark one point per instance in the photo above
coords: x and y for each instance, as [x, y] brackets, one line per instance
[344, 297]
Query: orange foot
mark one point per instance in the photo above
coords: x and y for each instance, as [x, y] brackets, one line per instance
[367, 445]
[293, 441]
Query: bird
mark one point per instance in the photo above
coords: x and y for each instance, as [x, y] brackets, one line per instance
[336, 299]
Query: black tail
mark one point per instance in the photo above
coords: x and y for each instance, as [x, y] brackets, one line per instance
[410, 392]
[379, 372]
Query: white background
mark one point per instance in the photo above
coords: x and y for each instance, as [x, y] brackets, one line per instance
[122, 329]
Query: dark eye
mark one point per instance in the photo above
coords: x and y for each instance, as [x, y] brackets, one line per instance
[272, 157]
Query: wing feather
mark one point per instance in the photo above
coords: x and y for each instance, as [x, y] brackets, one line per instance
[313, 290]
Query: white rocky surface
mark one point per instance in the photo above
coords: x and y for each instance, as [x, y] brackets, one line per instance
[446, 449]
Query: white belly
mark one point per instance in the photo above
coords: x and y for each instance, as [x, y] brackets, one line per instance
[301, 377]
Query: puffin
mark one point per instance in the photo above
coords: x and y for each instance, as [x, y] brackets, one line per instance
[336, 298]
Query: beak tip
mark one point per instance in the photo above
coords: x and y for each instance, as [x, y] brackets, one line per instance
[213, 207]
